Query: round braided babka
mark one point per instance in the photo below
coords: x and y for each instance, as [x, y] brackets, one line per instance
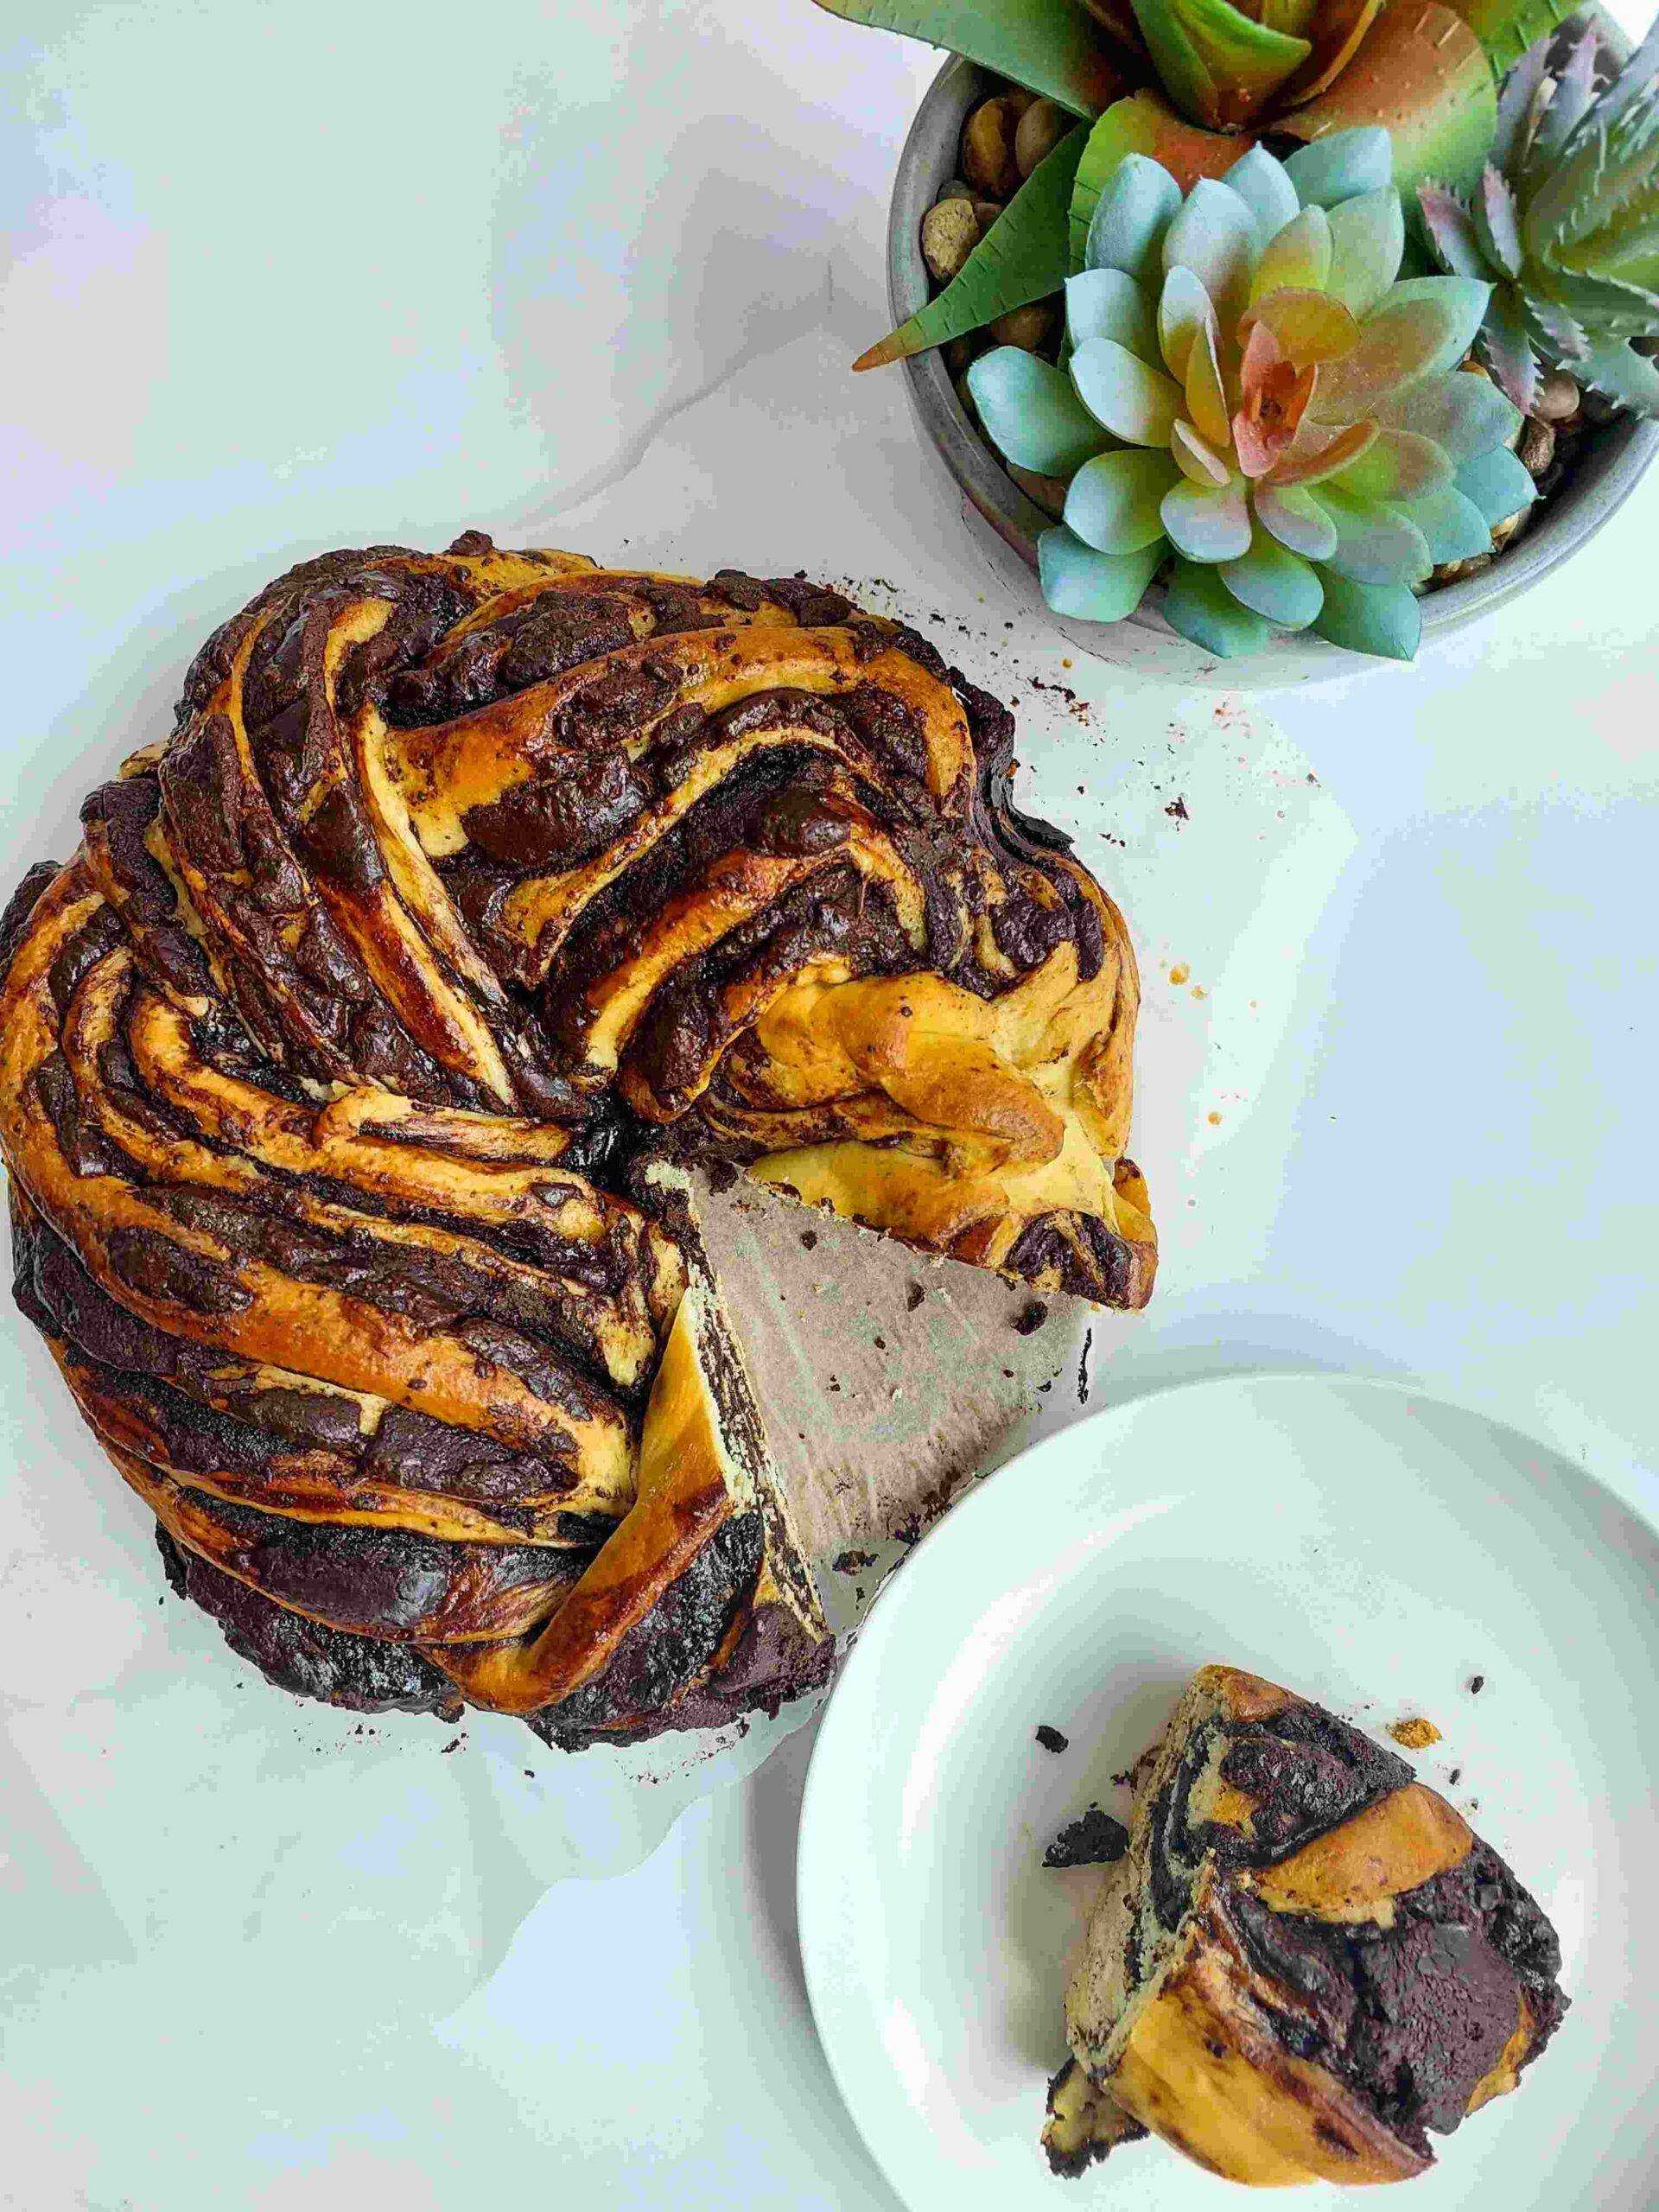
[353, 1066]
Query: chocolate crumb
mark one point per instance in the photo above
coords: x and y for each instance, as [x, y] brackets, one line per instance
[913, 1296]
[810, 1239]
[1083, 1366]
[1454, 1777]
[1031, 1317]
[1051, 1738]
[1476, 1683]
[1094, 1838]
[849, 1562]
[1178, 808]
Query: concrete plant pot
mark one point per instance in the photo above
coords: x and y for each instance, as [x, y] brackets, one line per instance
[1605, 475]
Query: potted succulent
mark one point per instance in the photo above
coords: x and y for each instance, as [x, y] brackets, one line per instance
[1496, 228]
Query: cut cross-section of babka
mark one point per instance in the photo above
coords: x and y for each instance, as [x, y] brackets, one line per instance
[1305, 1962]
[345, 1068]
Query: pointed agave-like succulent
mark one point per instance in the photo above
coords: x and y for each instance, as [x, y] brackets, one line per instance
[1255, 407]
[1173, 73]
[1564, 223]
[1193, 84]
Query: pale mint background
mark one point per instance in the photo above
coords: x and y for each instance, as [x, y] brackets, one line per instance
[277, 276]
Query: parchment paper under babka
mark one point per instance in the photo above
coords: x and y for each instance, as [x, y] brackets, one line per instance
[1305, 1962]
[350, 1071]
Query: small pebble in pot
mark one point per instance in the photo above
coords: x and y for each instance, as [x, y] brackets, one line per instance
[1505, 532]
[988, 160]
[1537, 447]
[1026, 328]
[1454, 572]
[988, 211]
[961, 353]
[1559, 399]
[955, 189]
[950, 233]
[1017, 97]
[1041, 128]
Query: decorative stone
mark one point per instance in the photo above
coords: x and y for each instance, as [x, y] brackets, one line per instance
[950, 233]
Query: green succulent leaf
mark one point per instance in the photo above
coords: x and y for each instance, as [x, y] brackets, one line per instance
[1133, 400]
[1497, 222]
[1341, 165]
[1113, 501]
[1218, 66]
[1124, 224]
[1421, 328]
[1451, 232]
[1021, 259]
[1507, 27]
[1052, 49]
[1205, 523]
[1576, 92]
[1628, 378]
[1375, 544]
[1184, 311]
[1297, 259]
[1105, 303]
[1093, 587]
[1143, 126]
[1421, 72]
[1200, 607]
[1275, 583]
[1213, 234]
[1505, 346]
[1555, 330]
[1367, 238]
[1297, 520]
[1398, 466]
[1263, 184]
[1453, 527]
[1516, 96]
[1464, 414]
[1196, 458]
[1601, 303]
[1382, 619]
[1320, 450]
[1497, 485]
[1031, 414]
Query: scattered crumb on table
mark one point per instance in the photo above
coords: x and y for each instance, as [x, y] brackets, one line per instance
[1415, 1733]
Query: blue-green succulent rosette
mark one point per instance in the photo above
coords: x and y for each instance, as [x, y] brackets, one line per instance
[1255, 410]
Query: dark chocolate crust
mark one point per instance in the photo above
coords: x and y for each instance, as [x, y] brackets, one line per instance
[466, 886]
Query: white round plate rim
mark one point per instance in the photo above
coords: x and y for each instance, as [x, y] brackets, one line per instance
[845, 2030]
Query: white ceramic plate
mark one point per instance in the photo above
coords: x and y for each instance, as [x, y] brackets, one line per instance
[1370, 1548]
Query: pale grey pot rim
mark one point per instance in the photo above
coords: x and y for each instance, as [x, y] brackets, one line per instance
[1608, 470]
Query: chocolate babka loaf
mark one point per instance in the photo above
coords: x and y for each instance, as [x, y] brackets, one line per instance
[1304, 1961]
[352, 1069]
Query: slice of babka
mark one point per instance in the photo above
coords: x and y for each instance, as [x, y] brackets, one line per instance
[1305, 1962]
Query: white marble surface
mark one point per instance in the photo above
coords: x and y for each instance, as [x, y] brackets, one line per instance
[279, 277]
